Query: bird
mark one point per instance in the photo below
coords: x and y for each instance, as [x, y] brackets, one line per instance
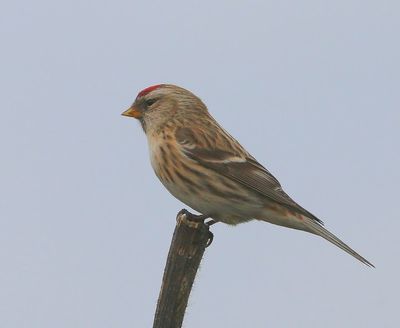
[203, 166]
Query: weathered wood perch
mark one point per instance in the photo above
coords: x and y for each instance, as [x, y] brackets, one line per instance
[189, 241]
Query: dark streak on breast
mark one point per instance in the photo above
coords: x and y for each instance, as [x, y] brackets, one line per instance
[193, 171]
[164, 156]
[183, 178]
[167, 174]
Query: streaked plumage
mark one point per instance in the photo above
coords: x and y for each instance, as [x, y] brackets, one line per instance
[207, 169]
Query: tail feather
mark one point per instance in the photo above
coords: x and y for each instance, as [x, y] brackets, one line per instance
[319, 230]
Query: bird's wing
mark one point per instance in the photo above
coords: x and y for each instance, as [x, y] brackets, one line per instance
[239, 167]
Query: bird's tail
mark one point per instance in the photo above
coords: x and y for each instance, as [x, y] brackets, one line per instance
[318, 229]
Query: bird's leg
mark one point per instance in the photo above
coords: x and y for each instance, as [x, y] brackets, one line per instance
[211, 222]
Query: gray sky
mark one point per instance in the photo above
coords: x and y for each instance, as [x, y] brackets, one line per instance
[310, 88]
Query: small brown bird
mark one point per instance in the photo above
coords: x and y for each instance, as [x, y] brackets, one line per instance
[207, 169]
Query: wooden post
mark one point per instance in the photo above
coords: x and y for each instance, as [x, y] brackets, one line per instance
[189, 241]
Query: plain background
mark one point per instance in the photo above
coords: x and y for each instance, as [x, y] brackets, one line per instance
[310, 88]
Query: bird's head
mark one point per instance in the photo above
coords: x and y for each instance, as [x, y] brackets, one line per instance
[159, 104]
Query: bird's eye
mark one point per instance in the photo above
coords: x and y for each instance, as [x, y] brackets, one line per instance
[150, 102]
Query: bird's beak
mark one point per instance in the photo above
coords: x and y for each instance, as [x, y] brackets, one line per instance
[132, 112]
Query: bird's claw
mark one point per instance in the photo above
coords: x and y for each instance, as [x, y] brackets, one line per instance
[210, 238]
[182, 212]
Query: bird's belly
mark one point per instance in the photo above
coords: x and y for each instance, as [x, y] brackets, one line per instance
[230, 210]
[229, 205]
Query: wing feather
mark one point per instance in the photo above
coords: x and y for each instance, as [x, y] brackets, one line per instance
[241, 168]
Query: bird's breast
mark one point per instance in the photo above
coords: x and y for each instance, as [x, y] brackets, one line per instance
[199, 187]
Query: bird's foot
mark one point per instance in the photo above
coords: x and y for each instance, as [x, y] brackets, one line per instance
[199, 218]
